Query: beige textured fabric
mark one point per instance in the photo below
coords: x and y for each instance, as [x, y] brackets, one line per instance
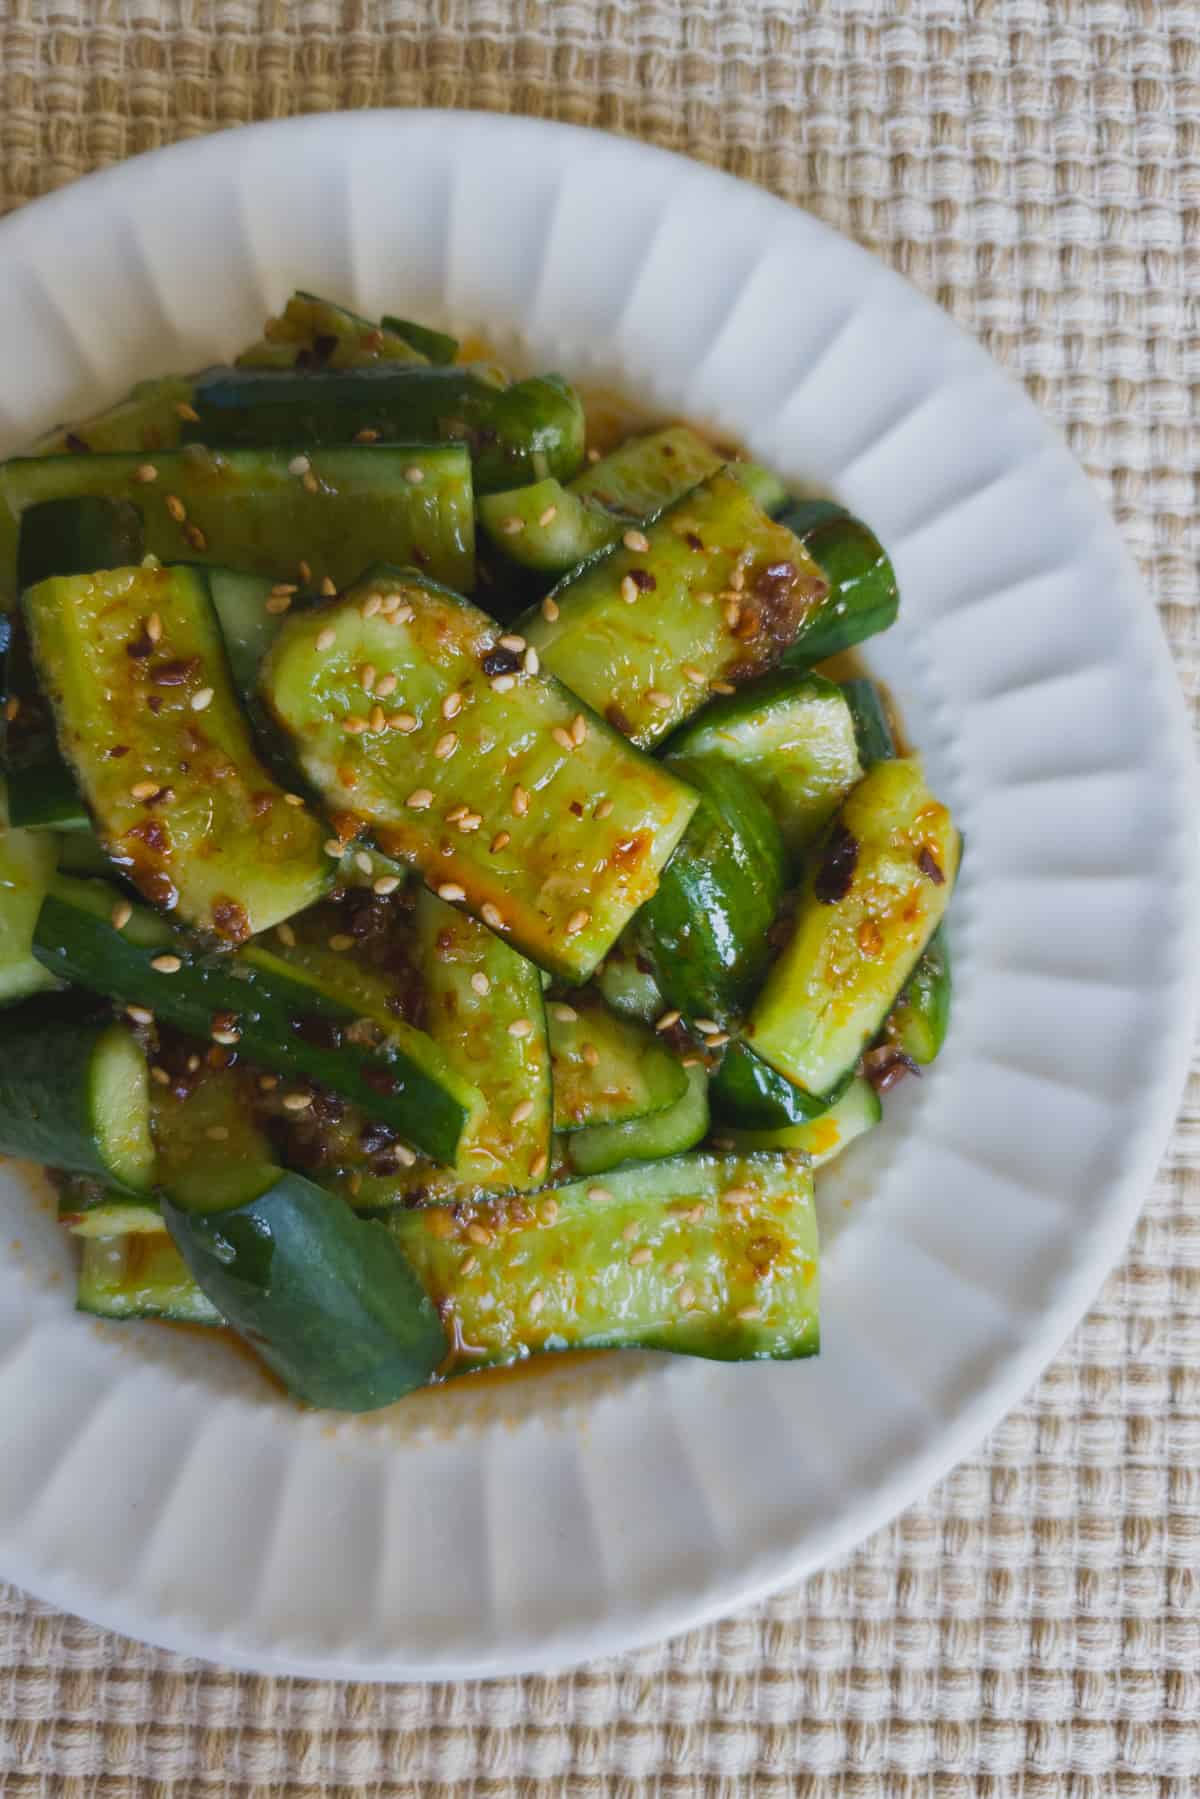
[1034, 1626]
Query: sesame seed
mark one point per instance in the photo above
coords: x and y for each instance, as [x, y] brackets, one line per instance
[341, 940]
[139, 1014]
[328, 586]
[404, 1155]
[537, 1300]
[303, 570]
[121, 914]
[347, 776]
[297, 1102]
[12, 707]
[676, 1269]
[286, 935]
[446, 745]
[160, 1075]
[503, 683]
[471, 822]
[659, 700]
[723, 687]
[492, 916]
[217, 1133]
[333, 847]
[579, 728]
[591, 1055]
[363, 862]
[500, 841]
[512, 526]
[195, 537]
[738, 1196]
[520, 1027]
[176, 508]
[366, 436]
[578, 921]
[532, 661]
[450, 890]
[691, 1062]
[354, 725]
[704, 598]
[278, 603]
[452, 705]
[386, 686]
[480, 983]
[326, 638]
[414, 475]
[733, 613]
[154, 627]
[603, 808]
[201, 699]
[193, 1063]
[420, 799]
[479, 1233]
[226, 1038]
[371, 605]
[629, 1232]
[539, 1165]
[563, 738]
[310, 483]
[385, 884]
[629, 590]
[402, 721]
[636, 541]
[520, 800]
[640, 1257]
[666, 1021]
[144, 790]
[283, 589]
[470, 1265]
[366, 675]
[693, 674]
[687, 1296]
[521, 1111]
[293, 799]
[549, 609]
[748, 1313]
[719, 1041]
[563, 1013]
[593, 455]
[708, 1027]
[166, 964]
[510, 641]
[186, 412]
[455, 813]
[378, 719]
[737, 579]
[145, 472]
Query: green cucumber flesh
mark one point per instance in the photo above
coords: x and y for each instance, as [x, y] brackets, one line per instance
[140, 1275]
[667, 1133]
[918, 1022]
[641, 634]
[515, 434]
[27, 862]
[89, 1211]
[730, 1270]
[251, 510]
[568, 828]
[606, 1068]
[148, 419]
[862, 594]
[821, 1139]
[626, 981]
[545, 528]
[75, 1095]
[287, 1018]
[792, 736]
[152, 727]
[328, 1300]
[641, 476]
[872, 726]
[705, 931]
[763, 485]
[313, 333]
[876, 894]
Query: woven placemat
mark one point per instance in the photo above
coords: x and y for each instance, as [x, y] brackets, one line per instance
[1035, 1624]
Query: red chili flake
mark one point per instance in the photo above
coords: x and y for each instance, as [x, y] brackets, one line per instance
[886, 1066]
[230, 920]
[154, 701]
[929, 865]
[692, 541]
[500, 661]
[76, 444]
[837, 867]
[380, 1081]
[140, 647]
[576, 808]
[643, 580]
[118, 750]
[618, 719]
[153, 834]
[224, 1021]
[176, 674]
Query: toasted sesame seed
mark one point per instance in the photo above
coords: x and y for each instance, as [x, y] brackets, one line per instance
[471, 822]
[578, 921]
[549, 1212]
[503, 683]
[579, 728]
[160, 1075]
[363, 862]
[492, 916]
[693, 674]
[283, 589]
[354, 724]
[297, 1102]
[193, 1063]
[687, 1296]
[371, 605]
[303, 570]
[328, 586]
[478, 1233]
[145, 472]
[176, 508]
[121, 914]
[201, 699]
[733, 613]
[450, 890]
[293, 799]
[12, 707]
[738, 1196]
[636, 541]
[659, 700]
[365, 436]
[347, 775]
[510, 641]
[521, 1111]
[341, 940]
[705, 598]
[286, 935]
[563, 1013]
[446, 745]
[154, 627]
[591, 1055]
[470, 1265]
[629, 590]
[386, 686]
[719, 1041]
[593, 455]
[548, 516]
[602, 808]
[310, 483]
[549, 609]
[480, 983]
[500, 841]
[667, 1019]
[366, 676]
[217, 1133]
[166, 964]
[691, 1061]
[139, 1014]
[414, 475]
[378, 719]
[748, 1313]
[385, 884]
[403, 722]
[404, 1155]
[520, 1027]
[144, 790]
[452, 705]
[278, 603]
[723, 687]
[676, 1269]
[640, 1257]
[563, 738]
[420, 799]
[457, 812]
[539, 1165]
[537, 1300]
[186, 412]
[532, 662]
[708, 1027]
[334, 847]
[195, 537]
[512, 526]
[520, 800]
[226, 1038]
[326, 638]
[629, 1231]
[737, 579]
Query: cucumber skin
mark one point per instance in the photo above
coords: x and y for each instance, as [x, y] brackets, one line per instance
[872, 728]
[636, 1075]
[668, 1133]
[47, 1066]
[863, 596]
[746, 1093]
[328, 1300]
[139, 1276]
[921, 1016]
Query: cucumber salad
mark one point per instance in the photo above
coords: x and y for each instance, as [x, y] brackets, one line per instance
[451, 903]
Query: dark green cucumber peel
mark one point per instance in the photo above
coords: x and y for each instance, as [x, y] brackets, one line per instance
[748, 1094]
[606, 1068]
[75, 1095]
[27, 861]
[667, 1133]
[863, 597]
[705, 931]
[285, 1021]
[872, 726]
[820, 1139]
[438, 347]
[919, 1020]
[518, 433]
[328, 1300]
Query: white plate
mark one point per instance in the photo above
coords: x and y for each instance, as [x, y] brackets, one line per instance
[153, 1482]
